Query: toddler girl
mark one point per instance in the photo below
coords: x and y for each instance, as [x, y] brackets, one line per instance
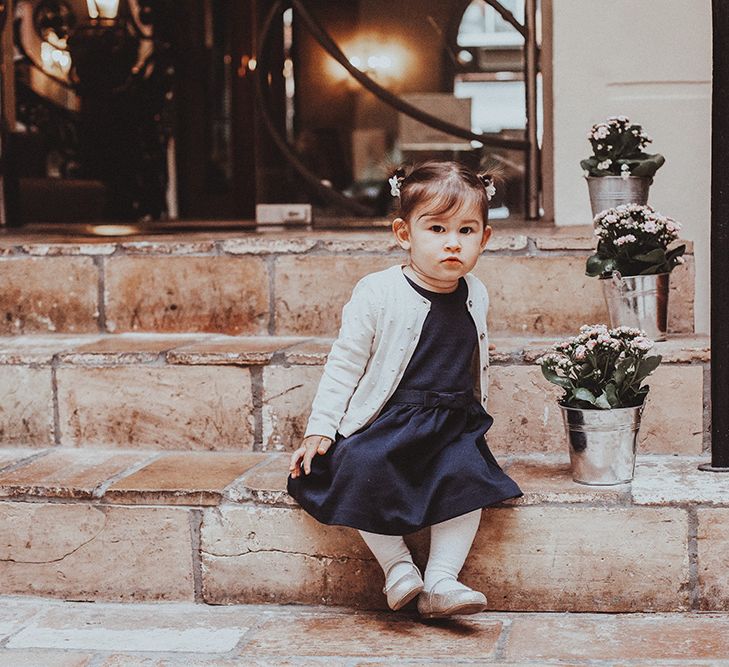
[395, 440]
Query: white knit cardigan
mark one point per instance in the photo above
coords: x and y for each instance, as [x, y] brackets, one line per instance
[381, 325]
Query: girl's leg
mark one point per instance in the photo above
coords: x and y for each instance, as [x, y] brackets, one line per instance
[391, 553]
[450, 542]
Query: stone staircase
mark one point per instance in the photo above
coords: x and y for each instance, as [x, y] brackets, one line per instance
[150, 390]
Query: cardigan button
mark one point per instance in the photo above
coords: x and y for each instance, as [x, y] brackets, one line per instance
[470, 303]
[482, 336]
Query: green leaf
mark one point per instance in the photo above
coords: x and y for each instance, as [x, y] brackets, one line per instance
[648, 165]
[598, 265]
[654, 256]
[594, 265]
[647, 365]
[676, 252]
[554, 378]
[602, 402]
[654, 269]
[584, 395]
[611, 393]
[588, 164]
[621, 370]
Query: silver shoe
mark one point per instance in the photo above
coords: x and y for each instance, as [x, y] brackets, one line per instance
[400, 592]
[451, 603]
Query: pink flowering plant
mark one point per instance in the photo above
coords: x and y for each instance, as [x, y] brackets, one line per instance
[634, 241]
[618, 150]
[601, 368]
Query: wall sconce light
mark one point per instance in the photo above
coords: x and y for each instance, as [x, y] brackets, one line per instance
[383, 60]
[374, 64]
[103, 9]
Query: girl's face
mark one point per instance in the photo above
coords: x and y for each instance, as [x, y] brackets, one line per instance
[445, 246]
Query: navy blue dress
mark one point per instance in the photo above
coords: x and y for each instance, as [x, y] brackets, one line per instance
[421, 461]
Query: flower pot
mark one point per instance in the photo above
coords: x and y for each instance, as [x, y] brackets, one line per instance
[611, 191]
[602, 443]
[638, 301]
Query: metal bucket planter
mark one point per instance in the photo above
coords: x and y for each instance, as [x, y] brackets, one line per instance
[611, 191]
[638, 301]
[602, 444]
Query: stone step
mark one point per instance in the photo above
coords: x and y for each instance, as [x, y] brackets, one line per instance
[285, 283]
[106, 634]
[218, 527]
[214, 392]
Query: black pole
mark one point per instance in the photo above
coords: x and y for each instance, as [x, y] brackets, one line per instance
[719, 242]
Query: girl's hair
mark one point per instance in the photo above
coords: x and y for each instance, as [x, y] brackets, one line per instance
[444, 186]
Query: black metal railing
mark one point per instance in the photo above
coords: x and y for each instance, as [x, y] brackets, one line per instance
[719, 246]
[529, 145]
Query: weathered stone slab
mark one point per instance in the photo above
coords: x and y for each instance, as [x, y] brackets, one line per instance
[667, 480]
[265, 245]
[528, 419]
[672, 420]
[551, 282]
[268, 577]
[713, 556]
[548, 479]
[26, 406]
[311, 291]
[685, 348]
[581, 559]
[255, 554]
[216, 294]
[75, 551]
[36, 657]
[55, 249]
[64, 473]
[687, 639]
[240, 350]
[312, 352]
[382, 242]
[265, 484]
[231, 530]
[681, 297]
[397, 637]
[14, 614]
[564, 242]
[196, 660]
[505, 241]
[168, 247]
[190, 478]
[129, 348]
[48, 294]
[154, 629]
[10, 456]
[287, 397]
[526, 415]
[509, 349]
[172, 407]
[38, 350]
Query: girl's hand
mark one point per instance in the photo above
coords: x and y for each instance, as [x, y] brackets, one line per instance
[310, 447]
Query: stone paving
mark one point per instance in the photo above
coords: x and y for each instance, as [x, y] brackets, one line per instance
[42, 633]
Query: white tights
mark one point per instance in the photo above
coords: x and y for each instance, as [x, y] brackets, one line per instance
[450, 542]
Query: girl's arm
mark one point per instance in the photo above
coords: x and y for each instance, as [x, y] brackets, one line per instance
[345, 364]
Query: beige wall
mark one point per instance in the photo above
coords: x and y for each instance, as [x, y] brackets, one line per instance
[652, 62]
